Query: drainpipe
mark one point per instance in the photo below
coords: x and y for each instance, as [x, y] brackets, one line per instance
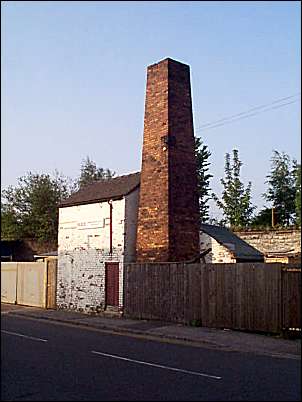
[110, 237]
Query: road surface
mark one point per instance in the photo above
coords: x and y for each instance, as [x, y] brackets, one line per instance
[56, 362]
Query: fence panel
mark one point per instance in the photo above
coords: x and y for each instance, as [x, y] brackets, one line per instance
[31, 284]
[9, 282]
[224, 291]
[291, 297]
[193, 272]
[246, 296]
[177, 294]
[271, 299]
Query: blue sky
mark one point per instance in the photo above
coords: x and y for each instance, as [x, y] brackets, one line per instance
[74, 77]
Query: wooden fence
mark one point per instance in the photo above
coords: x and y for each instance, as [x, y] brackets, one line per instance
[29, 283]
[246, 296]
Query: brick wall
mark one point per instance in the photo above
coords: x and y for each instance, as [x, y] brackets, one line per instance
[168, 208]
[273, 240]
[131, 211]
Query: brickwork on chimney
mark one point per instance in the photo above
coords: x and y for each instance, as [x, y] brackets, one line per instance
[168, 224]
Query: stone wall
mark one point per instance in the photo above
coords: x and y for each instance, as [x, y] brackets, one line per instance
[268, 241]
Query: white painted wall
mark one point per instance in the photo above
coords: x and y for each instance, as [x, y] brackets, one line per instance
[83, 249]
[219, 253]
[88, 226]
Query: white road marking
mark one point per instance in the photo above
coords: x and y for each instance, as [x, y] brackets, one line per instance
[156, 365]
[24, 336]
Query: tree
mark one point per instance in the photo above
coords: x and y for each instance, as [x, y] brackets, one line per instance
[236, 200]
[90, 173]
[10, 229]
[263, 218]
[203, 178]
[282, 187]
[30, 210]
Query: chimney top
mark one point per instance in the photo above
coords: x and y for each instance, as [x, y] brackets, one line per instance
[167, 60]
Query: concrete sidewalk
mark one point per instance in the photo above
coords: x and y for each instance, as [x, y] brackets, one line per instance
[226, 340]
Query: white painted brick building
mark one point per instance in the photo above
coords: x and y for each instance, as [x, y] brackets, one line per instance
[97, 235]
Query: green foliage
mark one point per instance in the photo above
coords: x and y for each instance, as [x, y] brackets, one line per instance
[236, 200]
[90, 173]
[30, 210]
[10, 229]
[282, 188]
[263, 218]
[203, 178]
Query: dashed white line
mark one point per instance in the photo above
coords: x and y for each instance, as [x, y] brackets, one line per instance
[24, 336]
[157, 365]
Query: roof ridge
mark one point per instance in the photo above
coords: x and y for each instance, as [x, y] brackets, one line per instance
[117, 177]
[104, 189]
[93, 183]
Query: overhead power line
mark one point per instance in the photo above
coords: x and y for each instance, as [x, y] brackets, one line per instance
[246, 116]
[243, 115]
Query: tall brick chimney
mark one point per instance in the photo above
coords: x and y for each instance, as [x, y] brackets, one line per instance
[168, 218]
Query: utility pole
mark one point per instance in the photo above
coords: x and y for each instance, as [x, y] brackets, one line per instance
[273, 217]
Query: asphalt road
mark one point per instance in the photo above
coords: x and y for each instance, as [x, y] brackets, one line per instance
[55, 362]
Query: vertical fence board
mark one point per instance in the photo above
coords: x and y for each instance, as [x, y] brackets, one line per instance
[260, 295]
[205, 294]
[180, 307]
[291, 297]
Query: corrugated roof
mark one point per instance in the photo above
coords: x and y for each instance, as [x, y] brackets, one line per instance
[103, 190]
[235, 244]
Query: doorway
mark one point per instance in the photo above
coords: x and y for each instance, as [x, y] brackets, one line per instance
[112, 283]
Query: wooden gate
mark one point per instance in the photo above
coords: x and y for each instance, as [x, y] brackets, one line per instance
[112, 283]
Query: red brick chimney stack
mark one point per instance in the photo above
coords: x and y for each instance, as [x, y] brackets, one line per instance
[168, 217]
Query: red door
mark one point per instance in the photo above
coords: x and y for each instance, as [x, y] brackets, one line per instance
[112, 283]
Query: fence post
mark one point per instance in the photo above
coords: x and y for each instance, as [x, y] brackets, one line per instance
[17, 269]
[281, 299]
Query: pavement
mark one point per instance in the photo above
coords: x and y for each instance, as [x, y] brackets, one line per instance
[222, 339]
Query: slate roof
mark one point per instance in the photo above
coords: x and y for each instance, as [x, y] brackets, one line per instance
[103, 190]
[238, 247]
